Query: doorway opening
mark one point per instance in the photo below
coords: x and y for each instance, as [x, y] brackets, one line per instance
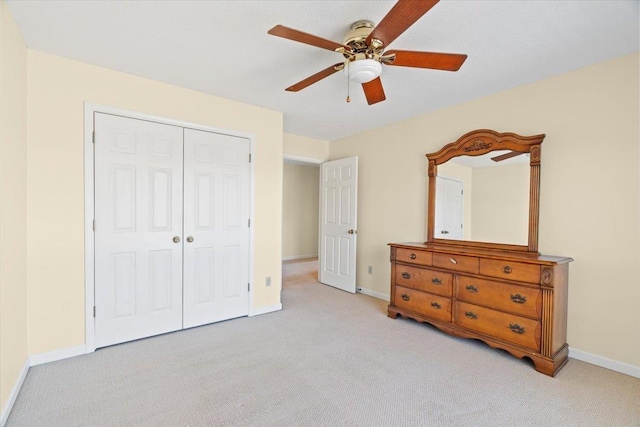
[300, 218]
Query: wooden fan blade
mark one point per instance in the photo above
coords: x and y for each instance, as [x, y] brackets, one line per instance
[373, 91]
[313, 79]
[401, 16]
[431, 60]
[505, 156]
[310, 39]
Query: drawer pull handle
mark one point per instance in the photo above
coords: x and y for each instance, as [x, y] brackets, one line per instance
[471, 315]
[453, 260]
[436, 305]
[406, 297]
[506, 269]
[436, 281]
[412, 256]
[472, 289]
[516, 329]
[518, 299]
[406, 275]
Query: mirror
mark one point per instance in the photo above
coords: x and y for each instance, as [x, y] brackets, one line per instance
[484, 192]
[483, 198]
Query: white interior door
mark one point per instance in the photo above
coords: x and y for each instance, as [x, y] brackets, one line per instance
[216, 227]
[338, 227]
[138, 228]
[449, 208]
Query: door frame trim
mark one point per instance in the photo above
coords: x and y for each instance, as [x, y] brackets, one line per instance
[89, 200]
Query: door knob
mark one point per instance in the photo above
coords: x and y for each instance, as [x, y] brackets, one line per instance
[190, 239]
[352, 232]
[176, 239]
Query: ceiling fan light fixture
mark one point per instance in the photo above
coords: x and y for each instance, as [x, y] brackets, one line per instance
[362, 70]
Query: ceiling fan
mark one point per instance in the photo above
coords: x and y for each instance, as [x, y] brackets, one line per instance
[364, 49]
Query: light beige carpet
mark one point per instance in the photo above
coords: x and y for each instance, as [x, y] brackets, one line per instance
[328, 358]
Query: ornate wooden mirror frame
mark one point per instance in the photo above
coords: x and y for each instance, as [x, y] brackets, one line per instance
[476, 143]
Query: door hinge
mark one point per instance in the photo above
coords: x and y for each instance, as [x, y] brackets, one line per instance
[94, 225]
[461, 191]
[94, 311]
[249, 222]
[248, 287]
[249, 157]
[93, 137]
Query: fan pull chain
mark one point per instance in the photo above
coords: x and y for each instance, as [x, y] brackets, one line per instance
[348, 81]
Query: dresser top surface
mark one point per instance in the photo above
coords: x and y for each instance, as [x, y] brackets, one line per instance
[485, 253]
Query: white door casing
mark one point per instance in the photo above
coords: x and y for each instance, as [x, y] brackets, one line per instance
[138, 213]
[338, 223]
[449, 209]
[216, 228]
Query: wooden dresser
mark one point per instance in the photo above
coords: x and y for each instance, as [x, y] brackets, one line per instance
[510, 301]
[505, 294]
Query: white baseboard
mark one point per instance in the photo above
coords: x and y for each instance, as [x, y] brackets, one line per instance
[374, 294]
[52, 356]
[4, 415]
[614, 365]
[264, 310]
[291, 258]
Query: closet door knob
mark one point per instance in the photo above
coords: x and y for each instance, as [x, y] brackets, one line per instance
[176, 239]
[190, 239]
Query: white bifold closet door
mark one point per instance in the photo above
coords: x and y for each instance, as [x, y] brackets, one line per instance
[138, 214]
[216, 229]
[171, 234]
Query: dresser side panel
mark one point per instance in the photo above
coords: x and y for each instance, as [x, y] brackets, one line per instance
[560, 305]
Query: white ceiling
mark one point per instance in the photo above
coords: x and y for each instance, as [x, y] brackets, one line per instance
[222, 48]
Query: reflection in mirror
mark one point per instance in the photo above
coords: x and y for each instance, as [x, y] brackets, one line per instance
[484, 198]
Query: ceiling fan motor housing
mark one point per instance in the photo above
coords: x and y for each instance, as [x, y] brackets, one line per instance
[357, 36]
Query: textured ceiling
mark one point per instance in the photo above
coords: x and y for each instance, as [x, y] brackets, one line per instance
[222, 48]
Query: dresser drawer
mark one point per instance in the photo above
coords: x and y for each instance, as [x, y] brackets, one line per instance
[467, 264]
[424, 303]
[424, 279]
[508, 327]
[519, 271]
[501, 296]
[413, 256]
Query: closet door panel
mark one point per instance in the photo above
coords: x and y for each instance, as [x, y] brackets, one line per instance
[216, 214]
[138, 212]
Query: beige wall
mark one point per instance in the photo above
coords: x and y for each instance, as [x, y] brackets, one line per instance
[500, 204]
[590, 190]
[302, 146]
[300, 211]
[13, 204]
[57, 89]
